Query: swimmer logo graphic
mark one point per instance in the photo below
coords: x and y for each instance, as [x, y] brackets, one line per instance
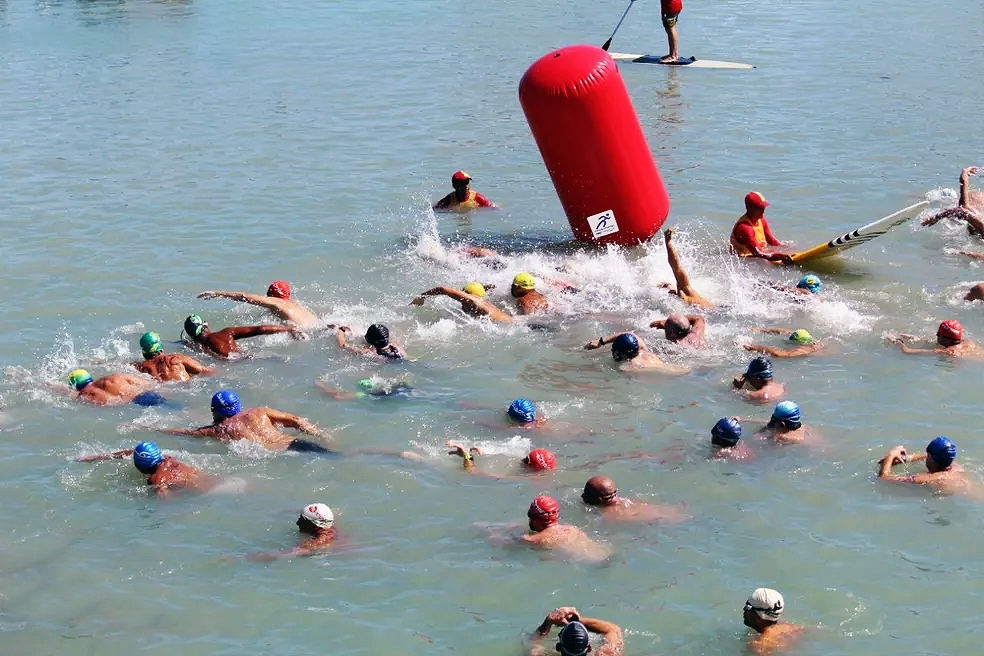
[603, 224]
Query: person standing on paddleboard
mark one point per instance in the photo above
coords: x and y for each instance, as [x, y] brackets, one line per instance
[670, 11]
[751, 235]
[463, 198]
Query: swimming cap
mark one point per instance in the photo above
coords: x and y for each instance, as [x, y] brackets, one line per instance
[943, 451]
[522, 410]
[767, 604]
[788, 413]
[150, 343]
[474, 288]
[810, 283]
[279, 289]
[319, 514]
[378, 335]
[79, 378]
[149, 399]
[460, 176]
[524, 281]
[541, 459]
[366, 384]
[801, 336]
[226, 403]
[194, 325]
[726, 432]
[146, 457]
[756, 199]
[625, 347]
[760, 367]
[574, 640]
[950, 328]
[544, 507]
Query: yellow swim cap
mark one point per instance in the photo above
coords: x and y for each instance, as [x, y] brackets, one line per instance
[524, 281]
[474, 288]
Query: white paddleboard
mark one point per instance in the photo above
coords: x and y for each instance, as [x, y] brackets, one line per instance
[861, 235]
[684, 62]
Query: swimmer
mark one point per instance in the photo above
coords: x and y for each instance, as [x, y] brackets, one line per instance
[601, 491]
[758, 377]
[547, 533]
[472, 299]
[367, 387]
[726, 440]
[463, 198]
[317, 521]
[941, 472]
[976, 293]
[167, 367]
[231, 422]
[785, 425]
[536, 460]
[377, 340]
[809, 285]
[751, 234]
[632, 352]
[574, 638]
[683, 287]
[222, 343]
[277, 301]
[805, 344]
[682, 329]
[529, 300]
[522, 413]
[166, 473]
[114, 389]
[949, 340]
[761, 613]
[970, 206]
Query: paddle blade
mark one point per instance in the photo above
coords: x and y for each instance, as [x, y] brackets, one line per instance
[607, 45]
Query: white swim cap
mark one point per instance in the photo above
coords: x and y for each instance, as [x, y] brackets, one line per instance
[767, 604]
[319, 514]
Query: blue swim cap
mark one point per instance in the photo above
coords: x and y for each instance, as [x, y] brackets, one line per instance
[148, 399]
[760, 367]
[810, 283]
[522, 410]
[574, 640]
[146, 457]
[787, 413]
[625, 347]
[226, 403]
[726, 432]
[943, 451]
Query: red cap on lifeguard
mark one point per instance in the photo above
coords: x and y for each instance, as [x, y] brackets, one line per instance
[756, 199]
[460, 176]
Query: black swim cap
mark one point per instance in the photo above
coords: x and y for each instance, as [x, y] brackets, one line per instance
[574, 640]
[378, 335]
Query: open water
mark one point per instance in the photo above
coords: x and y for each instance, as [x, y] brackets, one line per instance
[151, 150]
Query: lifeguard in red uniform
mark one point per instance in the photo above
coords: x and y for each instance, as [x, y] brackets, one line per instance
[751, 235]
[463, 198]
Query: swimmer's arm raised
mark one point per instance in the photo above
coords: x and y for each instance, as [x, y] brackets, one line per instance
[349, 347]
[242, 297]
[894, 457]
[293, 421]
[612, 633]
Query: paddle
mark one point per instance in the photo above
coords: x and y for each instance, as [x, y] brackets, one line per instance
[609, 42]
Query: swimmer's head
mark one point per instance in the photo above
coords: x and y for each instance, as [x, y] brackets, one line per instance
[726, 432]
[810, 283]
[942, 452]
[755, 201]
[195, 326]
[625, 347]
[801, 336]
[318, 515]
[150, 345]
[760, 367]
[949, 331]
[474, 288]
[367, 384]
[786, 414]
[543, 512]
[574, 640]
[523, 411]
[677, 327]
[765, 604]
[79, 379]
[225, 404]
[279, 289]
[540, 459]
[146, 457]
[460, 179]
[599, 491]
[524, 281]
[378, 335]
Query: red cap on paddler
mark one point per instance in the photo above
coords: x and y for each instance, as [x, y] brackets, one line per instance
[756, 199]
[546, 507]
[460, 176]
[950, 328]
[279, 289]
[541, 459]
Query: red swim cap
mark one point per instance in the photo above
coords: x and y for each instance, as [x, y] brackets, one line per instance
[541, 459]
[950, 328]
[279, 289]
[546, 507]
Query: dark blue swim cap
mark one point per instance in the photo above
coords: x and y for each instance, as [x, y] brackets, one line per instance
[574, 640]
[523, 410]
[760, 367]
[788, 413]
[148, 399]
[726, 432]
[146, 457]
[943, 451]
[625, 347]
[226, 403]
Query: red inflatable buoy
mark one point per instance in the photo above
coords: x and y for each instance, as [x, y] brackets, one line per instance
[593, 146]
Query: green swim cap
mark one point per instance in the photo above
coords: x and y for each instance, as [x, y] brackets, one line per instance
[150, 343]
[366, 383]
[801, 336]
[79, 378]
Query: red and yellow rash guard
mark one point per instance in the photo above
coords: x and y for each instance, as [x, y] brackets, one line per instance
[671, 7]
[472, 200]
[749, 236]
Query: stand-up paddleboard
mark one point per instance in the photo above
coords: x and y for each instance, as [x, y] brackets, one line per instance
[861, 235]
[686, 62]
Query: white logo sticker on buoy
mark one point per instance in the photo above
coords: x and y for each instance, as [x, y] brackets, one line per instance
[603, 224]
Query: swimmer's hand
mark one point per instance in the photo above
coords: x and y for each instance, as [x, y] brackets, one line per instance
[896, 456]
[457, 449]
[781, 258]
[660, 324]
[344, 329]
[559, 617]
[208, 294]
[417, 301]
[970, 170]
[488, 287]
[739, 382]
[593, 344]
[297, 334]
